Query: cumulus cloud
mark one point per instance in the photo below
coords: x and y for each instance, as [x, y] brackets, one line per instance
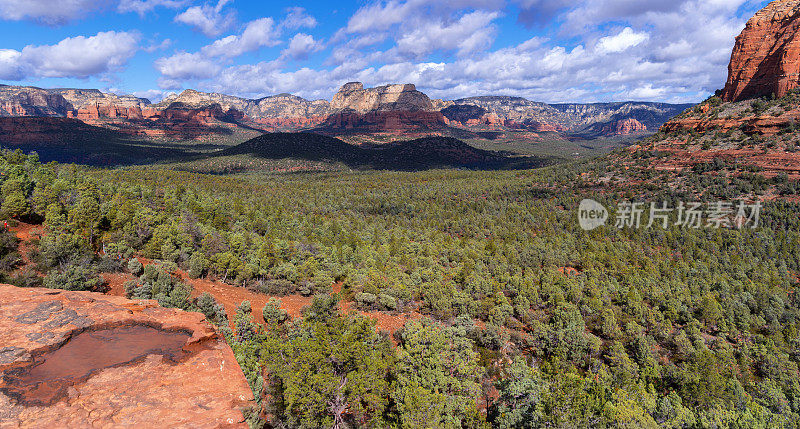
[301, 46]
[158, 46]
[621, 42]
[10, 65]
[143, 6]
[73, 57]
[471, 33]
[382, 16]
[184, 65]
[82, 56]
[297, 18]
[210, 20]
[47, 11]
[257, 34]
[154, 95]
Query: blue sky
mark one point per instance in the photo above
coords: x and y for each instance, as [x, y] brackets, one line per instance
[544, 50]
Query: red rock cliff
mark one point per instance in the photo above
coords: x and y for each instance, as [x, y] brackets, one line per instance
[766, 57]
[624, 127]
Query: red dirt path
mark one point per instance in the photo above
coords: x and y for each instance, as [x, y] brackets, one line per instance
[231, 296]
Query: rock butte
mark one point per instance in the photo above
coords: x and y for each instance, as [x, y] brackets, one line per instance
[624, 127]
[202, 386]
[766, 57]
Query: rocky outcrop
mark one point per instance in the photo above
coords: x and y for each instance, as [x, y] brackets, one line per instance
[92, 97]
[203, 115]
[283, 111]
[514, 109]
[81, 359]
[287, 106]
[766, 57]
[30, 101]
[95, 113]
[353, 96]
[175, 120]
[766, 125]
[624, 127]
[519, 113]
[196, 99]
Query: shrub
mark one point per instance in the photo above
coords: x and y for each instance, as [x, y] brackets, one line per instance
[197, 265]
[64, 249]
[306, 288]
[387, 302]
[273, 313]
[213, 310]
[74, 277]
[135, 267]
[366, 300]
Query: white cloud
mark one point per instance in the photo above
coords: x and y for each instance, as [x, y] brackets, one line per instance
[382, 16]
[257, 34]
[471, 33]
[160, 46]
[184, 65]
[143, 6]
[301, 46]
[647, 92]
[73, 57]
[10, 65]
[47, 11]
[263, 32]
[210, 20]
[298, 18]
[621, 42]
[154, 95]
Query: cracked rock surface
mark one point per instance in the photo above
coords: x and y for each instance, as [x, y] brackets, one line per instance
[204, 387]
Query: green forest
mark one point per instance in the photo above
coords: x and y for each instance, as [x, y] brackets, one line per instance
[527, 320]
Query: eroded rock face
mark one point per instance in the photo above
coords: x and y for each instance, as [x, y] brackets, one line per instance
[151, 384]
[405, 97]
[197, 99]
[766, 57]
[29, 101]
[91, 97]
[624, 127]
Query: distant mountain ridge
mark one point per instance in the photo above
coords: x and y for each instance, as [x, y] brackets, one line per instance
[354, 108]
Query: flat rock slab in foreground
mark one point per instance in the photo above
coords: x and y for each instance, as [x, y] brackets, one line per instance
[81, 359]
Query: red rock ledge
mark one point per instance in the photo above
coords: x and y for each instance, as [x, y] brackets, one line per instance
[200, 385]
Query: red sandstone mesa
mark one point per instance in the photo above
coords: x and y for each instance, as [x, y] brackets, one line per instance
[766, 57]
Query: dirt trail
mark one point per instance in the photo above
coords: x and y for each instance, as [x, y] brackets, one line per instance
[26, 232]
[230, 297]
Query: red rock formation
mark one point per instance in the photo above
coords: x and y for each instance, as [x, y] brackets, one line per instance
[536, 127]
[767, 125]
[766, 57]
[292, 122]
[623, 127]
[198, 384]
[30, 101]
